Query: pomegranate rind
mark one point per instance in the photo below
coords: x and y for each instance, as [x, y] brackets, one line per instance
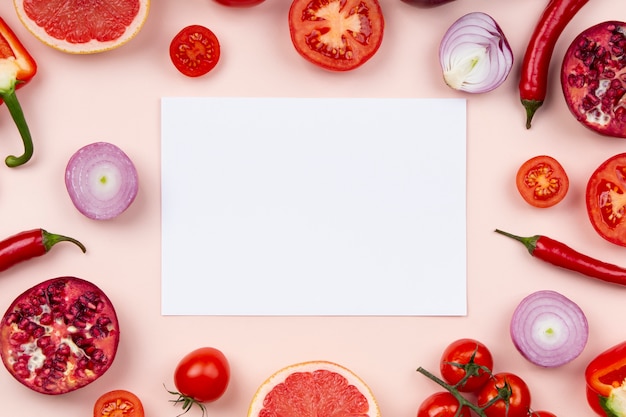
[584, 93]
[92, 346]
[281, 388]
[84, 8]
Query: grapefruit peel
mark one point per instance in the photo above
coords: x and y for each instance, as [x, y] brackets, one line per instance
[341, 376]
[80, 12]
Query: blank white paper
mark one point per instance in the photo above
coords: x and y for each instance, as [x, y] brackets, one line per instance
[313, 206]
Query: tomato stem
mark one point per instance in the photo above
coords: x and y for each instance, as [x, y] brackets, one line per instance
[188, 402]
[455, 392]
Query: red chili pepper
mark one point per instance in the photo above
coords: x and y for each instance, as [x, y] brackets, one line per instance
[17, 67]
[30, 244]
[561, 255]
[606, 382]
[534, 79]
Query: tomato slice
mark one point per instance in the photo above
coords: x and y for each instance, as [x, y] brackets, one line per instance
[606, 199]
[542, 181]
[118, 403]
[195, 50]
[337, 35]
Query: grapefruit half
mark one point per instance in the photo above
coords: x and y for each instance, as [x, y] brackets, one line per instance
[314, 389]
[83, 26]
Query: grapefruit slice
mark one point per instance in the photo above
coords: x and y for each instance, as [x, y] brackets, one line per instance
[314, 389]
[83, 26]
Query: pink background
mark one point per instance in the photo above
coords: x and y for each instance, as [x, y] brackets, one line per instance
[115, 97]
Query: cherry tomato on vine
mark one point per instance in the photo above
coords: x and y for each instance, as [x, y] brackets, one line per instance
[195, 50]
[240, 3]
[466, 362]
[441, 404]
[542, 181]
[337, 35]
[514, 396]
[541, 414]
[201, 376]
[118, 403]
[605, 201]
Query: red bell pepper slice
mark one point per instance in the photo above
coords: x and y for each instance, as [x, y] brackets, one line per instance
[606, 382]
[17, 67]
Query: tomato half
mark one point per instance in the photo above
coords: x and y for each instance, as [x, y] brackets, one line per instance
[606, 199]
[542, 181]
[338, 35]
[118, 403]
[442, 404]
[202, 375]
[240, 3]
[468, 363]
[195, 50]
[512, 390]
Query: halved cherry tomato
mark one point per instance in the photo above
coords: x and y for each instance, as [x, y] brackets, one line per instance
[542, 181]
[442, 404]
[514, 396]
[606, 199]
[118, 403]
[240, 3]
[195, 50]
[337, 35]
[466, 364]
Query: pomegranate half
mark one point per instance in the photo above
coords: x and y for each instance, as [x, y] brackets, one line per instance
[59, 335]
[593, 78]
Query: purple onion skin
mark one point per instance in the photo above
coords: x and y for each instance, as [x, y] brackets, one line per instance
[427, 3]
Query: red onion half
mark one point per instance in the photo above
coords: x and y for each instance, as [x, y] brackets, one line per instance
[549, 329]
[474, 54]
[101, 180]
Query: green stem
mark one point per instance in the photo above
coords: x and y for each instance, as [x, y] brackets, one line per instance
[10, 99]
[51, 239]
[529, 242]
[452, 390]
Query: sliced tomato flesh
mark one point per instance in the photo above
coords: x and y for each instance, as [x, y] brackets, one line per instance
[542, 181]
[606, 199]
[337, 35]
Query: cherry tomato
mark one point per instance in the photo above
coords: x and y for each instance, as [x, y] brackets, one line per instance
[240, 3]
[202, 375]
[542, 181]
[466, 358]
[512, 390]
[195, 50]
[337, 35]
[606, 199]
[118, 403]
[541, 414]
[441, 404]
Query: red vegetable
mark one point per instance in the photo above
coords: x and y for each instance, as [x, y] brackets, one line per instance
[338, 35]
[559, 254]
[59, 335]
[542, 181]
[505, 395]
[30, 244]
[201, 376]
[605, 201]
[442, 404]
[605, 376]
[118, 403]
[534, 77]
[240, 3]
[17, 67]
[195, 50]
[549, 329]
[466, 364]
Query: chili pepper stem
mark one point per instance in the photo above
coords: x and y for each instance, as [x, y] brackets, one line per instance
[531, 107]
[51, 239]
[530, 242]
[15, 109]
[452, 390]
